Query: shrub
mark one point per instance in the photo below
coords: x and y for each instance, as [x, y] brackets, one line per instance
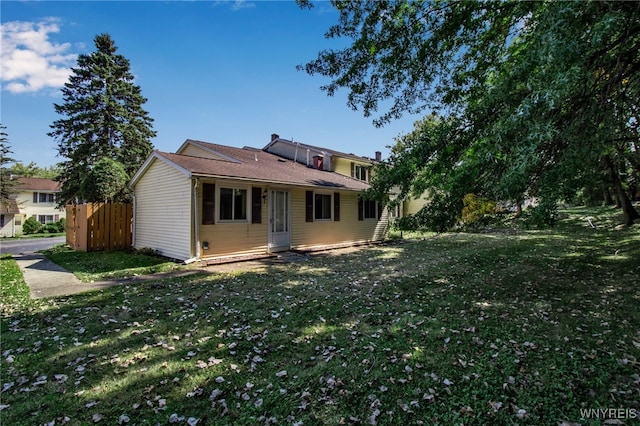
[31, 226]
[49, 228]
[543, 215]
[405, 223]
[62, 225]
[476, 208]
[147, 251]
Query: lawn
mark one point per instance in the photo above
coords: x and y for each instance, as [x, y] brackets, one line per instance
[518, 327]
[88, 267]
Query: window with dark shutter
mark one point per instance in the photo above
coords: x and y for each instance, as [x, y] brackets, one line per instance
[322, 206]
[309, 206]
[256, 205]
[336, 206]
[208, 203]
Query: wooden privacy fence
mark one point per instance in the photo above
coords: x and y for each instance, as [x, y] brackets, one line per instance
[99, 226]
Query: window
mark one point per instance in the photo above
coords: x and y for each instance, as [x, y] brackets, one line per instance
[43, 197]
[46, 218]
[319, 206]
[322, 206]
[233, 204]
[360, 172]
[368, 209]
[208, 203]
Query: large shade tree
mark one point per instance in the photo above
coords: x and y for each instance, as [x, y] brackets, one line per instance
[7, 184]
[531, 98]
[103, 117]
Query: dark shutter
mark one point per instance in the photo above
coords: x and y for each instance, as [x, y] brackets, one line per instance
[256, 204]
[309, 206]
[336, 206]
[360, 208]
[35, 197]
[208, 203]
[353, 170]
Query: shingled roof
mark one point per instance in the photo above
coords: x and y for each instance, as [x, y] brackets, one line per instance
[276, 138]
[255, 165]
[9, 206]
[37, 184]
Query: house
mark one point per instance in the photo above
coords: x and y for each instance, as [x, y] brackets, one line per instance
[208, 201]
[324, 159]
[34, 197]
[361, 168]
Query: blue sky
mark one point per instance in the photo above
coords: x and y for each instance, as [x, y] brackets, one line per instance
[221, 72]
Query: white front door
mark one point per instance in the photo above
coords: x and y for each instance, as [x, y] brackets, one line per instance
[279, 221]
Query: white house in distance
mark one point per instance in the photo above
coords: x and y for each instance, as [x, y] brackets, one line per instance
[35, 197]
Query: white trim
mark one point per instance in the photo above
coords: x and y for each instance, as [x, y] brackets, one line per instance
[332, 201]
[218, 203]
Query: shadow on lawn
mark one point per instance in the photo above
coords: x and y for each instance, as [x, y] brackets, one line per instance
[435, 330]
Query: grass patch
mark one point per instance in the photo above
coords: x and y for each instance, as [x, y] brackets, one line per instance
[98, 266]
[14, 292]
[495, 328]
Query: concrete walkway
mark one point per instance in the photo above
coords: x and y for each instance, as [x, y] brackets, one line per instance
[47, 279]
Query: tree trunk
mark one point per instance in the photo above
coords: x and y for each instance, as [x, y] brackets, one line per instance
[608, 199]
[628, 212]
[518, 209]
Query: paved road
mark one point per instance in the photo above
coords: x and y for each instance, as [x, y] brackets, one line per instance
[29, 245]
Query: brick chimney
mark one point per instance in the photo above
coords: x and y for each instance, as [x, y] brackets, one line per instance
[274, 136]
[318, 161]
[378, 156]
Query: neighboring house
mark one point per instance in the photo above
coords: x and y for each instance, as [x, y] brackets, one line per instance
[208, 201]
[8, 213]
[34, 197]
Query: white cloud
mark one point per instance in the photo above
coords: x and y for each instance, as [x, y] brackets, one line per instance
[242, 4]
[29, 61]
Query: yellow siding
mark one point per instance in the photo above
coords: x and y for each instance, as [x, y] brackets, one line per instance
[341, 166]
[163, 211]
[319, 233]
[413, 205]
[234, 238]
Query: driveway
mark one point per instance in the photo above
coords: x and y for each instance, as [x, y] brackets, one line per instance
[29, 245]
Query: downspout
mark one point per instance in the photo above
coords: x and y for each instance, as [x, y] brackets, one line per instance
[196, 224]
[133, 219]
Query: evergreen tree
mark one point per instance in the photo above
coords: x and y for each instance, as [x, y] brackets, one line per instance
[103, 118]
[7, 185]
